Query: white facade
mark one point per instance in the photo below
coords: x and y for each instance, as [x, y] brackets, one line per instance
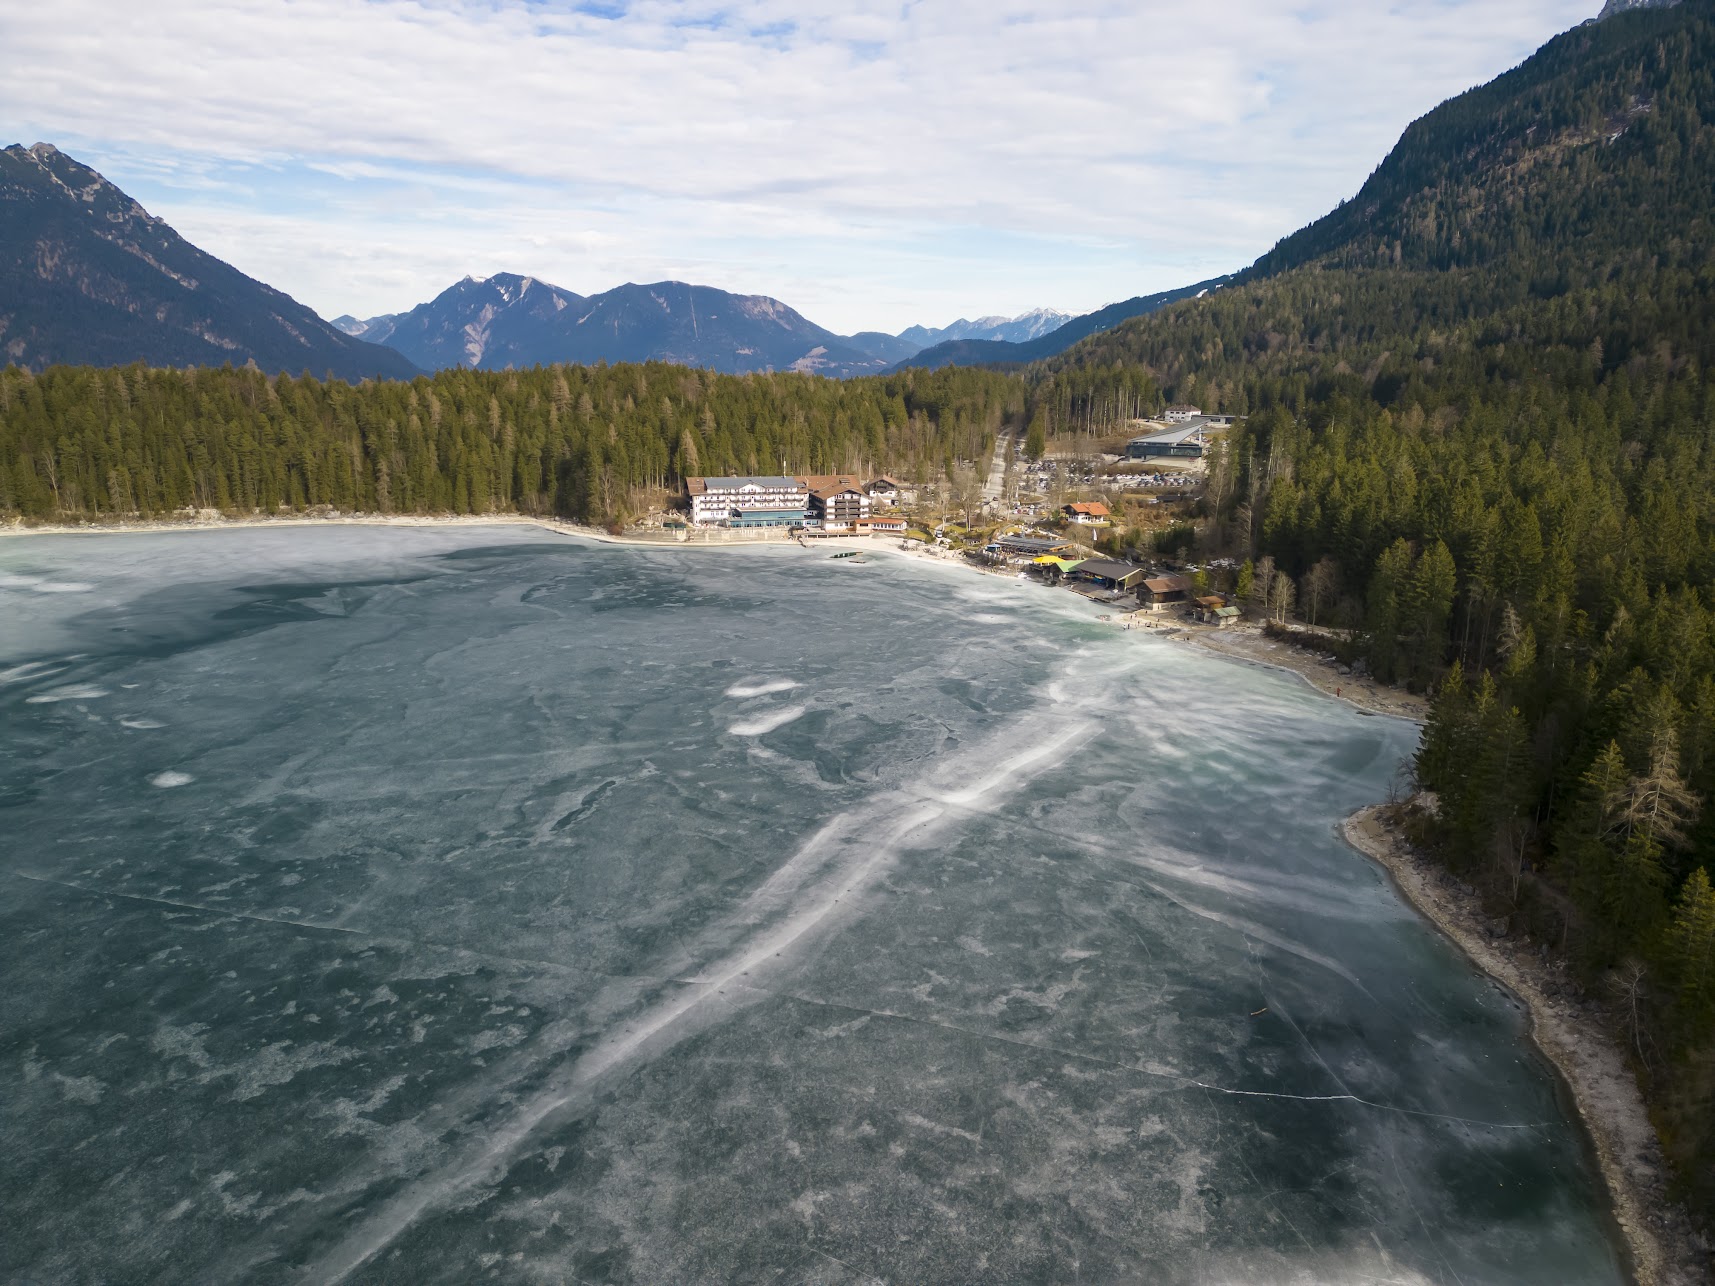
[839, 505]
[748, 502]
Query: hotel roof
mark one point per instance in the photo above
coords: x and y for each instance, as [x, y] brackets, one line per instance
[699, 485]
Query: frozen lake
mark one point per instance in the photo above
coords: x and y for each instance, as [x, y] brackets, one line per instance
[449, 905]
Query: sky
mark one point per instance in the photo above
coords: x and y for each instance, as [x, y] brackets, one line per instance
[872, 164]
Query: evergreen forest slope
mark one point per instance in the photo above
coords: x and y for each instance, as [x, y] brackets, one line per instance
[88, 276]
[1481, 437]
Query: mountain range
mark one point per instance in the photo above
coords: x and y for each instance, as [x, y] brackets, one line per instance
[510, 320]
[88, 276]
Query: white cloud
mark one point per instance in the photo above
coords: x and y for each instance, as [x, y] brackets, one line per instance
[874, 164]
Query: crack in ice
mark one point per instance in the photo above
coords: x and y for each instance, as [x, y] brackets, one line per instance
[800, 913]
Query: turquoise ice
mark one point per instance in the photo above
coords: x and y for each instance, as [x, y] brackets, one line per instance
[443, 905]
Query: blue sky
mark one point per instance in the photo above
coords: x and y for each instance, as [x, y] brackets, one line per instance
[874, 165]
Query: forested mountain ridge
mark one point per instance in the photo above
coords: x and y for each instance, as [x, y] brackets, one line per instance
[1571, 200]
[1481, 437]
[88, 276]
[1551, 153]
[1621, 6]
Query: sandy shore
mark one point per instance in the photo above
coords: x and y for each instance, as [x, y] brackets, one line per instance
[1664, 1248]
[1249, 643]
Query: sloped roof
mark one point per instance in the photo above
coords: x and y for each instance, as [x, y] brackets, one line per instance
[1108, 569]
[1167, 584]
[825, 481]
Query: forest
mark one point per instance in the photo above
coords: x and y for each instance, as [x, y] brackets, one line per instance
[595, 444]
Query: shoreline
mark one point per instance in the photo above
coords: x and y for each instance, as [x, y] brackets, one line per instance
[1245, 644]
[1658, 1236]
[1248, 643]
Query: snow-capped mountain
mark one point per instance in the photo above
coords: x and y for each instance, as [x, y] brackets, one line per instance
[1013, 330]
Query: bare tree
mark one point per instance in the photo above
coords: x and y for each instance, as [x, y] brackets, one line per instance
[1280, 595]
[1661, 806]
[967, 490]
[1262, 584]
[1321, 585]
[1628, 987]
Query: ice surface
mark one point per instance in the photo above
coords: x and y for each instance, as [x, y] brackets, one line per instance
[481, 944]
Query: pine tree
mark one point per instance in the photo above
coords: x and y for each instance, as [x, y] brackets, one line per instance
[1688, 952]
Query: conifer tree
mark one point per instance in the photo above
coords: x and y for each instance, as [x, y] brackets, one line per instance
[1688, 952]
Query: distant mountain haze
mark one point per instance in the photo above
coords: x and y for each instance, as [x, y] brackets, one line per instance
[1013, 330]
[992, 352]
[88, 276]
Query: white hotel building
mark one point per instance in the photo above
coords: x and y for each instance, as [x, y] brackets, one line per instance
[748, 502]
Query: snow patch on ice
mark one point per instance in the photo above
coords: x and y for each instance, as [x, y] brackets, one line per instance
[167, 780]
[141, 725]
[42, 585]
[760, 687]
[70, 692]
[29, 670]
[766, 723]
